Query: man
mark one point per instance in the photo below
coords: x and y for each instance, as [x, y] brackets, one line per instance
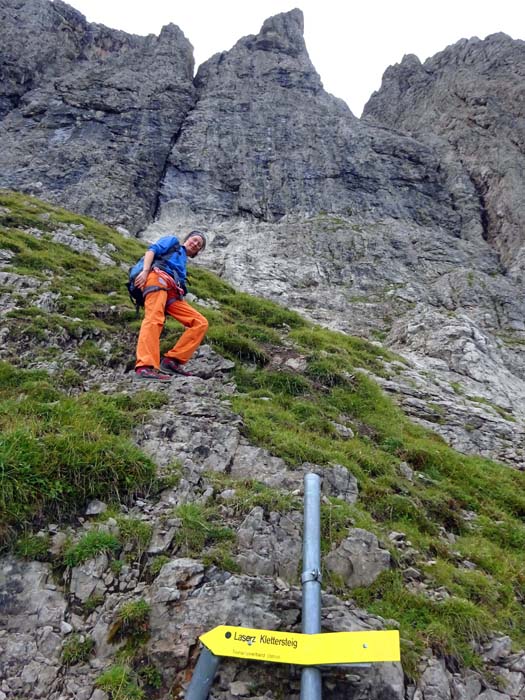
[163, 284]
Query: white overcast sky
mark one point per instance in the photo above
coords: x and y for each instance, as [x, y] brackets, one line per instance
[350, 42]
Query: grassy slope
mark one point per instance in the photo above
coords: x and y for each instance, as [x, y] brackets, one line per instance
[40, 416]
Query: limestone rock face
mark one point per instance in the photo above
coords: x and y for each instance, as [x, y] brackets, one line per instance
[366, 228]
[30, 615]
[469, 100]
[359, 559]
[87, 113]
[266, 139]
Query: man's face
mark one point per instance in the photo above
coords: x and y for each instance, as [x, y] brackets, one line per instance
[193, 245]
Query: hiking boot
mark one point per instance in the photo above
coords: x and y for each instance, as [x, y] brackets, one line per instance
[171, 366]
[151, 373]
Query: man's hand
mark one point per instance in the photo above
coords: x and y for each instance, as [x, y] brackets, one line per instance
[140, 279]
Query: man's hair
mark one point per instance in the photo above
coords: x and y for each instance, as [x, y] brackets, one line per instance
[197, 233]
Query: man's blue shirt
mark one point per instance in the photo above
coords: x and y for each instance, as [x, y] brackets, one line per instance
[175, 264]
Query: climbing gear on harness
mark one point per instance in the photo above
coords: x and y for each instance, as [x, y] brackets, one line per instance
[135, 293]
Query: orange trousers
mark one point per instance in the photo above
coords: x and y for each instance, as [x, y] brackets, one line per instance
[148, 345]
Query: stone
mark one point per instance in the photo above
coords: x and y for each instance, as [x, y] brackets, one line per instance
[161, 539]
[47, 302]
[406, 471]
[96, 507]
[86, 578]
[513, 682]
[30, 613]
[411, 573]
[497, 649]
[174, 575]
[239, 689]
[344, 431]
[269, 548]
[466, 687]
[517, 663]
[339, 482]
[493, 695]
[434, 683]
[397, 537]
[98, 695]
[358, 559]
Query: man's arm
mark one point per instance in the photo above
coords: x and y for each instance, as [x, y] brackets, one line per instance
[140, 279]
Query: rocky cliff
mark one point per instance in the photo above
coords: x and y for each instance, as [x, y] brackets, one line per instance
[265, 139]
[467, 101]
[89, 114]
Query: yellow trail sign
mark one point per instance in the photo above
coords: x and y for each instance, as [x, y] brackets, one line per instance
[303, 649]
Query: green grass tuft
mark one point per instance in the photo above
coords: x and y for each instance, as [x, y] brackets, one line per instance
[156, 564]
[200, 527]
[132, 624]
[120, 682]
[92, 544]
[77, 649]
[57, 452]
[135, 533]
[32, 546]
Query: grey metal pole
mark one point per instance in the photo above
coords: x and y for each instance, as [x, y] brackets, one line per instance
[311, 579]
[203, 676]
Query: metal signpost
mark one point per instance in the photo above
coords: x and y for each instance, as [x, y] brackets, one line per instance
[311, 579]
[309, 649]
[203, 676]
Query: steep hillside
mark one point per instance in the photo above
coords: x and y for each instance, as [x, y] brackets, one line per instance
[380, 346]
[134, 517]
[400, 227]
[442, 302]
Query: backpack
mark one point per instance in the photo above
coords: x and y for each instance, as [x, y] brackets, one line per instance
[135, 293]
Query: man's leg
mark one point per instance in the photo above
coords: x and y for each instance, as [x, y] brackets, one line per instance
[196, 327]
[148, 345]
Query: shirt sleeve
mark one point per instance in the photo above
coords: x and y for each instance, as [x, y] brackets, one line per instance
[162, 246]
